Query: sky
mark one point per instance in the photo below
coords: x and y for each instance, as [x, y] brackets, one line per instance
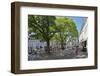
[79, 22]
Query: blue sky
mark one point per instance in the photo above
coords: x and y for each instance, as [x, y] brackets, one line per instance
[79, 21]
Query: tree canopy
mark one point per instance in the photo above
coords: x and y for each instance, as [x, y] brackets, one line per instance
[65, 27]
[42, 26]
[48, 28]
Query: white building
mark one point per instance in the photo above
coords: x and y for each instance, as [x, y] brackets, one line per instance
[36, 43]
[83, 36]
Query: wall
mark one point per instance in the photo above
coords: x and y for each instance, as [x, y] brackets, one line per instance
[5, 42]
[84, 32]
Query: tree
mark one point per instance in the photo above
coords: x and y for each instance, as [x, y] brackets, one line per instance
[42, 26]
[65, 27]
[48, 28]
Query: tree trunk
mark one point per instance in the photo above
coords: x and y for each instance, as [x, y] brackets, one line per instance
[62, 46]
[48, 47]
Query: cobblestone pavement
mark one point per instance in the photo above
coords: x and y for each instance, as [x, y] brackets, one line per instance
[58, 54]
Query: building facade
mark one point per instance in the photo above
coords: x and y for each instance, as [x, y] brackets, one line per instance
[83, 35]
